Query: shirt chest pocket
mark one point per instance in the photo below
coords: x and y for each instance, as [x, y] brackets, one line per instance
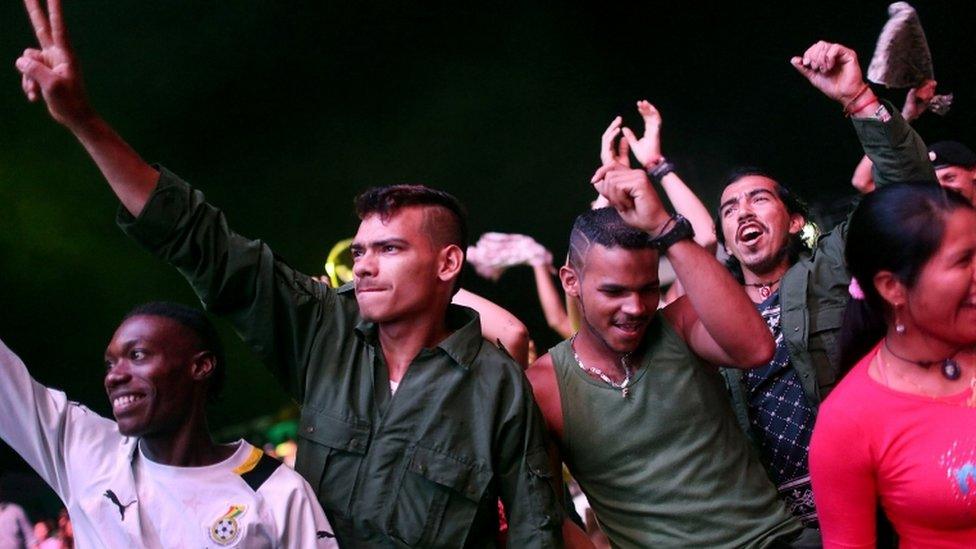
[330, 455]
[824, 351]
[437, 499]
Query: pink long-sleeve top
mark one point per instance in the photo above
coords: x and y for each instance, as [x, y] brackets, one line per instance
[915, 454]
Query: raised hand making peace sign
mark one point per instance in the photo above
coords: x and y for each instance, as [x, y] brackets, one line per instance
[52, 71]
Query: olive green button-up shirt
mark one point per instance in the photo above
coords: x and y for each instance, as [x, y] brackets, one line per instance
[814, 291]
[421, 468]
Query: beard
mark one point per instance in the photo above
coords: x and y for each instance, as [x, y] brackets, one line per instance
[764, 265]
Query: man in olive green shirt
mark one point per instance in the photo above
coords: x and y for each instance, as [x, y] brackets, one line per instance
[412, 425]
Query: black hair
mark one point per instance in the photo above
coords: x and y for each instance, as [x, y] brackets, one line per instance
[198, 323]
[446, 222]
[445, 219]
[896, 228]
[605, 227]
[793, 203]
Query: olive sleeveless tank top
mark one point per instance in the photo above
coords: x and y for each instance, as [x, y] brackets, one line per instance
[668, 465]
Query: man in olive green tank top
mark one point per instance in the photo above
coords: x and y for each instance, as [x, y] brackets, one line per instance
[634, 400]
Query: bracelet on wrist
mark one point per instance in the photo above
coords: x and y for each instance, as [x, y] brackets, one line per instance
[677, 228]
[854, 106]
[659, 170]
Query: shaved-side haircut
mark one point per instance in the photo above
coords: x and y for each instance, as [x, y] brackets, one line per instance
[605, 227]
[445, 220]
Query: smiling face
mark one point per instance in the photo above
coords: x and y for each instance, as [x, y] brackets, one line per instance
[756, 224]
[399, 272]
[942, 302]
[150, 375]
[618, 291]
[959, 179]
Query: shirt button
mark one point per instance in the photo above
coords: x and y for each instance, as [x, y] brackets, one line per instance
[422, 469]
[310, 429]
[796, 329]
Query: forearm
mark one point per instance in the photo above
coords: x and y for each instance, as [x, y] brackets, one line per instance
[686, 203]
[551, 301]
[722, 307]
[896, 150]
[862, 180]
[130, 177]
[497, 324]
[33, 420]
[274, 308]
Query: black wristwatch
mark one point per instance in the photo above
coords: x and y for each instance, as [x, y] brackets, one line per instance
[681, 229]
[659, 170]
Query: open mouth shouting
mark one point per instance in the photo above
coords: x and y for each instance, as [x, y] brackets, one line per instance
[749, 232]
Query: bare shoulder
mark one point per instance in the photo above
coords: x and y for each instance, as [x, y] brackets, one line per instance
[545, 387]
[681, 315]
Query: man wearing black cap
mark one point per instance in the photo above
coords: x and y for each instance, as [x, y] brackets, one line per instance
[955, 166]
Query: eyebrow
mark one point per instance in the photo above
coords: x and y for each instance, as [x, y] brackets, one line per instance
[749, 194]
[128, 344]
[380, 243]
[620, 287]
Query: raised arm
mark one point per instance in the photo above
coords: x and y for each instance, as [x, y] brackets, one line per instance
[275, 309]
[53, 72]
[898, 153]
[717, 320]
[916, 102]
[498, 325]
[647, 150]
[553, 306]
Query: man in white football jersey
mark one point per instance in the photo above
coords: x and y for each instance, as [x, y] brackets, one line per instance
[154, 477]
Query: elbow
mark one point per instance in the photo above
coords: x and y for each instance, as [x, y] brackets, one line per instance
[557, 324]
[708, 241]
[759, 353]
[515, 338]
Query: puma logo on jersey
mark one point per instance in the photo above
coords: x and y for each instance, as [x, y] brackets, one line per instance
[114, 499]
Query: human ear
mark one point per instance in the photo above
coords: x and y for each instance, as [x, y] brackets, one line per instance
[450, 262]
[892, 290]
[797, 222]
[203, 365]
[570, 280]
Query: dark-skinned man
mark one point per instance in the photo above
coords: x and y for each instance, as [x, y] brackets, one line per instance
[154, 477]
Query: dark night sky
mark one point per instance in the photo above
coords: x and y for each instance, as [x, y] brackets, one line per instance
[282, 111]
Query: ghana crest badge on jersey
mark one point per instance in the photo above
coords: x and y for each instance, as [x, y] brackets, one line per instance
[225, 530]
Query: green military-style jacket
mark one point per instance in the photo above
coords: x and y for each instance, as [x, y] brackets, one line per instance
[814, 291]
[422, 468]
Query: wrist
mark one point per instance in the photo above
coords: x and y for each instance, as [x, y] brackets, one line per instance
[660, 226]
[657, 172]
[86, 122]
[676, 229]
[860, 102]
[653, 161]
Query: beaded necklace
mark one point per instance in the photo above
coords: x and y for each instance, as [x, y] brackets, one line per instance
[624, 386]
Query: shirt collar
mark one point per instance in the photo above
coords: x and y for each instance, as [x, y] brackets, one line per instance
[462, 345]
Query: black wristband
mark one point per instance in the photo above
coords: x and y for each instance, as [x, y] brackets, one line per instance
[661, 169]
[681, 229]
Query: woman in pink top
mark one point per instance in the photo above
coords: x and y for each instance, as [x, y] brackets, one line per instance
[900, 429]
